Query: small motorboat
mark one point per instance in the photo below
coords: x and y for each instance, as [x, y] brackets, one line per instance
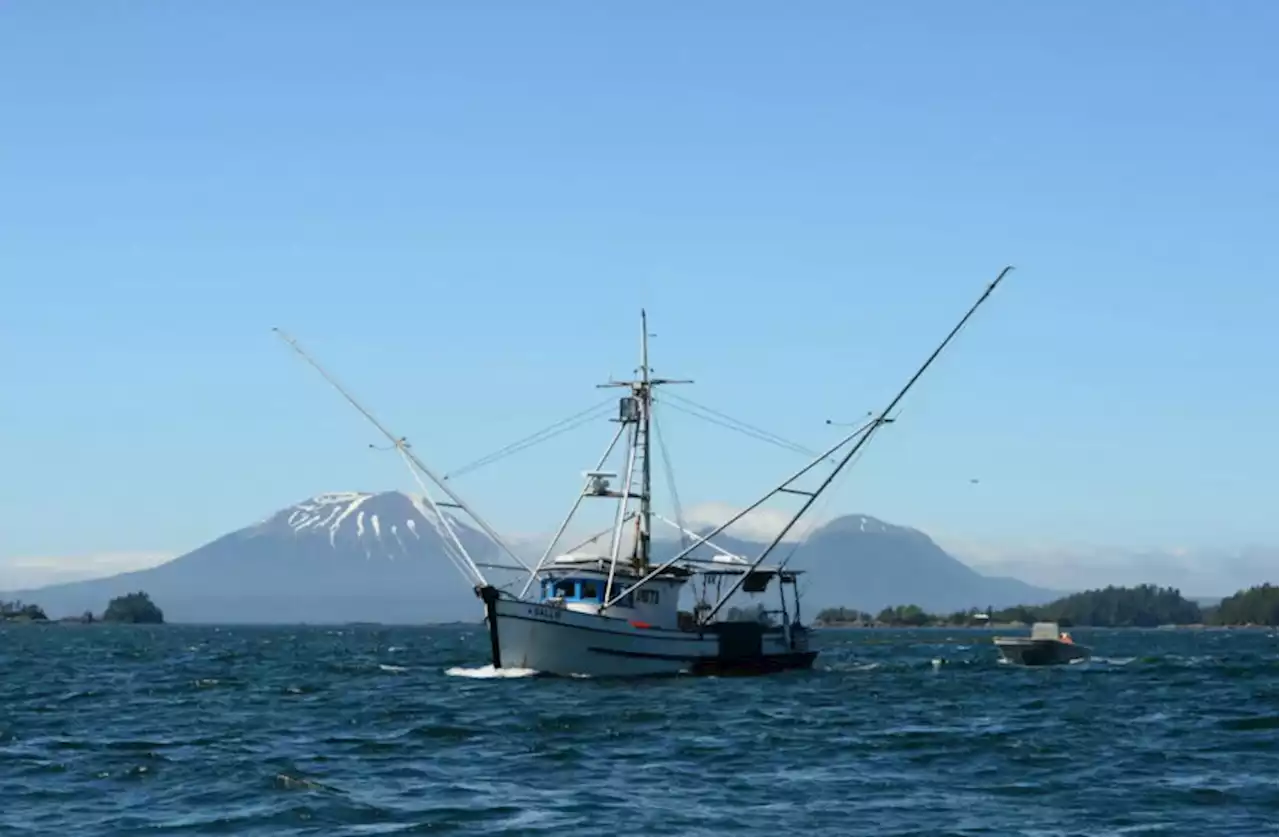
[1047, 646]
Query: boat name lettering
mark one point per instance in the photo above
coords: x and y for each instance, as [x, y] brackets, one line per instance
[543, 612]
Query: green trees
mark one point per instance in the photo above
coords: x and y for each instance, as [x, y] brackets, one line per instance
[1144, 606]
[1256, 606]
[900, 616]
[19, 612]
[843, 616]
[134, 607]
[906, 615]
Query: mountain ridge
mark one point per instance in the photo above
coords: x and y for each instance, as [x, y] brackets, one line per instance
[380, 556]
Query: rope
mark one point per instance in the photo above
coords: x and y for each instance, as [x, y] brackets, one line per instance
[740, 427]
[563, 426]
[670, 474]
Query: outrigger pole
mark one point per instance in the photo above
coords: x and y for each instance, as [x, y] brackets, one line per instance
[472, 570]
[870, 431]
[782, 488]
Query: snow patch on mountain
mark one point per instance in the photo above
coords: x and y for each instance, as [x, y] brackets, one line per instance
[385, 523]
[325, 511]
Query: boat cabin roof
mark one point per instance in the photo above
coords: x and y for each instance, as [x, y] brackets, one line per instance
[758, 579]
[599, 563]
[770, 572]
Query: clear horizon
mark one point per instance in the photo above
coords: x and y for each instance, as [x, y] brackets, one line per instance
[461, 212]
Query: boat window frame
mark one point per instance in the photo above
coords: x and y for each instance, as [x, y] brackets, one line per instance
[574, 589]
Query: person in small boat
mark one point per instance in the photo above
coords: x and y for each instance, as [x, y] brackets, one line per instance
[1065, 637]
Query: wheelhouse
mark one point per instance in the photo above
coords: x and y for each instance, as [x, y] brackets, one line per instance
[579, 582]
[587, 590]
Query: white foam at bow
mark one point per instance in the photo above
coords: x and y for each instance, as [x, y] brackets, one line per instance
[489, 672]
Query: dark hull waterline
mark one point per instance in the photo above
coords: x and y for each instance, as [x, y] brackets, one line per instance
[1026, 652]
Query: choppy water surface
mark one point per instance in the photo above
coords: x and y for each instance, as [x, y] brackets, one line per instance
[366, 730]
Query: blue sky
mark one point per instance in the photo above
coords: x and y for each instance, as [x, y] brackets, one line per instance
[460, 208]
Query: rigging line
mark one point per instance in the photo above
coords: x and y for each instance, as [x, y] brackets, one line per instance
[688, 533]
[799, 543]
[670, 474]
[803, 592]
[564, 524]
[460, 560]
[785, 445]
[448, 537]
[704, 538]
[822, 504]
[402, 444]
[549, 432]
[876, 423]
[826, 499]
[760, 430]
[743, 428]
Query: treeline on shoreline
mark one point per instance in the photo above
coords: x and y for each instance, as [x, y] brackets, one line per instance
[133, 607]
[1144, 606]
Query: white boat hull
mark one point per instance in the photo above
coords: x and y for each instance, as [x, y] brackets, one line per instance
[560, 641]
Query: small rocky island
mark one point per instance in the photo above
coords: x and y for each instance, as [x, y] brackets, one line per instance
[136, 608]
[133, 608]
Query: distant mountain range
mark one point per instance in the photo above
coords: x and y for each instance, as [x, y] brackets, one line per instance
[347, 557]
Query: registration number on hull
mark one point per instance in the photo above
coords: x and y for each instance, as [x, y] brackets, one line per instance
[553, 614]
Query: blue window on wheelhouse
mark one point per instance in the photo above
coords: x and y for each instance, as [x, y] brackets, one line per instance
[583, 590]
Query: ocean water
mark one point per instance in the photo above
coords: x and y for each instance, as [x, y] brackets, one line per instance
[122, 730]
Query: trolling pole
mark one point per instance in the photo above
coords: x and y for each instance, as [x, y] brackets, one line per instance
[400, 444]
[783, 487]
[875, 425]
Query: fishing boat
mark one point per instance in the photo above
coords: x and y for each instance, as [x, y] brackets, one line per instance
[614, 610]
[1046, 646]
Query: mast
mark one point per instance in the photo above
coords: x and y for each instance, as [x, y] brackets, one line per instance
[636, 410]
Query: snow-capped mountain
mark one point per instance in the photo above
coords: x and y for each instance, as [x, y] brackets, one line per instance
[336, 557]
[354, 556]
[388, 525]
